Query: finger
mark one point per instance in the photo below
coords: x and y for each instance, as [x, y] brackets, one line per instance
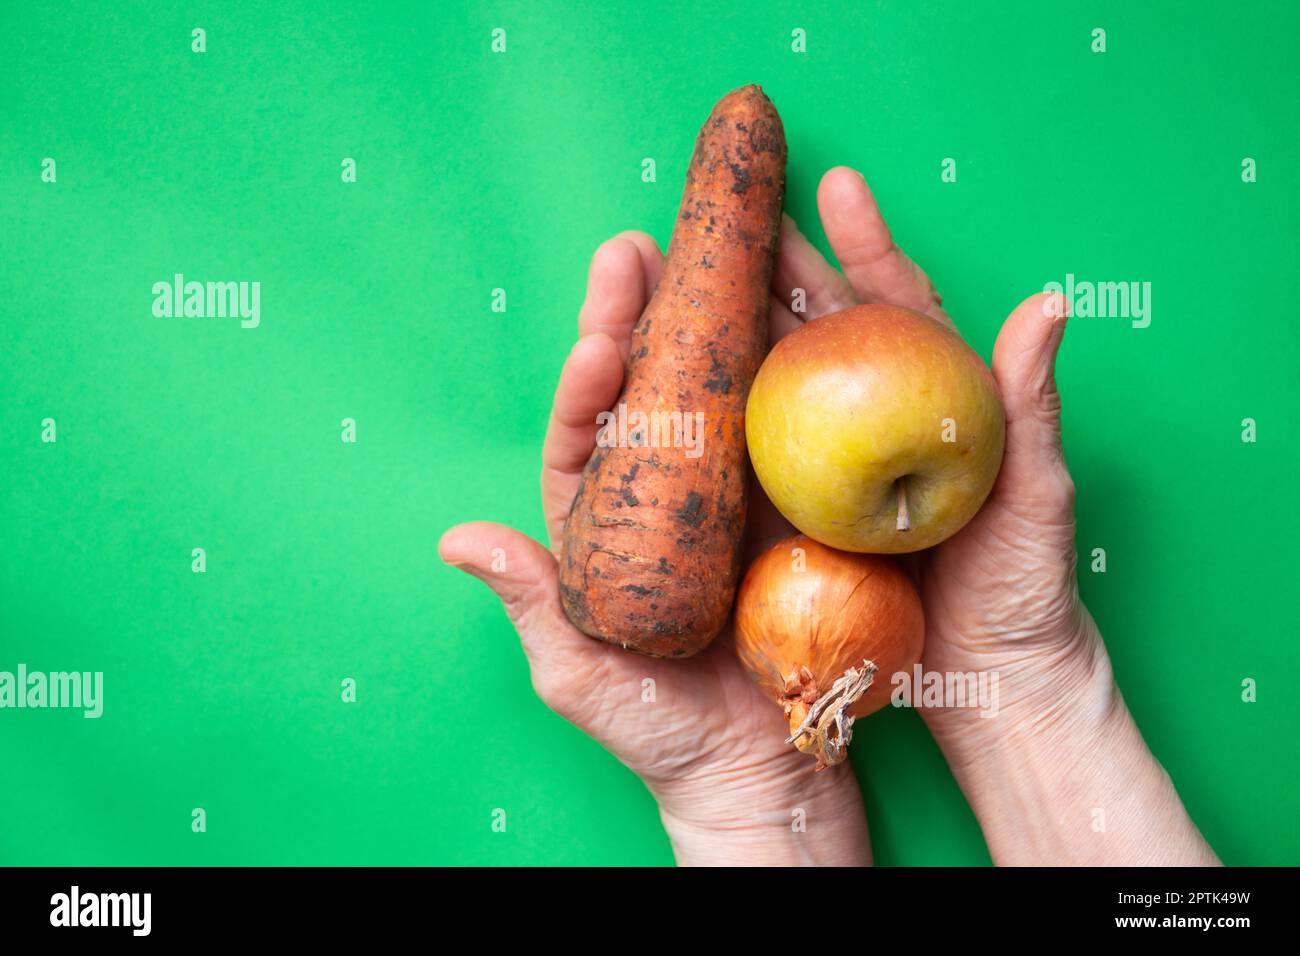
[524, 575]
[622, 272]
[781, 321]
[804, 281]
[877, 269]
[765, 525]
[589, 384]
[652, 257]
[1024, 364]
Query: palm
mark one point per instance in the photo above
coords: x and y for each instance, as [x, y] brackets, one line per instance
[982, 584]
[1000, 596]
[705, 714]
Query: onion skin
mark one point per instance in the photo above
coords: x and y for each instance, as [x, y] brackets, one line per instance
[797, 631]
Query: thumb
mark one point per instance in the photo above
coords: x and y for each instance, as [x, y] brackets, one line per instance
[520, 571]
[525, 576]
[1024, 365]
[565, 664]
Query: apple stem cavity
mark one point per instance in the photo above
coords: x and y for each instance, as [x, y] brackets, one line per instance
[903, 522]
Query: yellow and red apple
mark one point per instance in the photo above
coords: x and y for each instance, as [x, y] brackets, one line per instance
[876, 429]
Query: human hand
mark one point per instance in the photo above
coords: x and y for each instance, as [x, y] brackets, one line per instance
[705, 741]
[1001, 597]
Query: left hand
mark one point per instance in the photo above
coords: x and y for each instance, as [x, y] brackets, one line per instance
[708, 744]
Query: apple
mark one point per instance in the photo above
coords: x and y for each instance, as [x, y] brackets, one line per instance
[875, 429]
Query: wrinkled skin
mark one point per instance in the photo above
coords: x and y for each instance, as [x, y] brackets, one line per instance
[711, 747]
[1001, 594]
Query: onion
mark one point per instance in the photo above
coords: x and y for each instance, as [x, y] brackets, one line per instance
[815, 627]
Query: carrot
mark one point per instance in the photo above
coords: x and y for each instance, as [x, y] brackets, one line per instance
[652, 544]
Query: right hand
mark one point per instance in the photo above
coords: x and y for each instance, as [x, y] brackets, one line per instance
[1002, 596]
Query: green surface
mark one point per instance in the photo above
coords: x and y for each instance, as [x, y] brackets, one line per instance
[479, 170]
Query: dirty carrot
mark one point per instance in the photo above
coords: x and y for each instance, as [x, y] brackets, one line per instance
[652, 545]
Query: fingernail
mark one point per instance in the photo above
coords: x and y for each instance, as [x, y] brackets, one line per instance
[1054, 307]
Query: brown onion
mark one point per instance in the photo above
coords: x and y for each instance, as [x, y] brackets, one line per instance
[822, 631]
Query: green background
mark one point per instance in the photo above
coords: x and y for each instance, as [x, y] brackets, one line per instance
[476, 171]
